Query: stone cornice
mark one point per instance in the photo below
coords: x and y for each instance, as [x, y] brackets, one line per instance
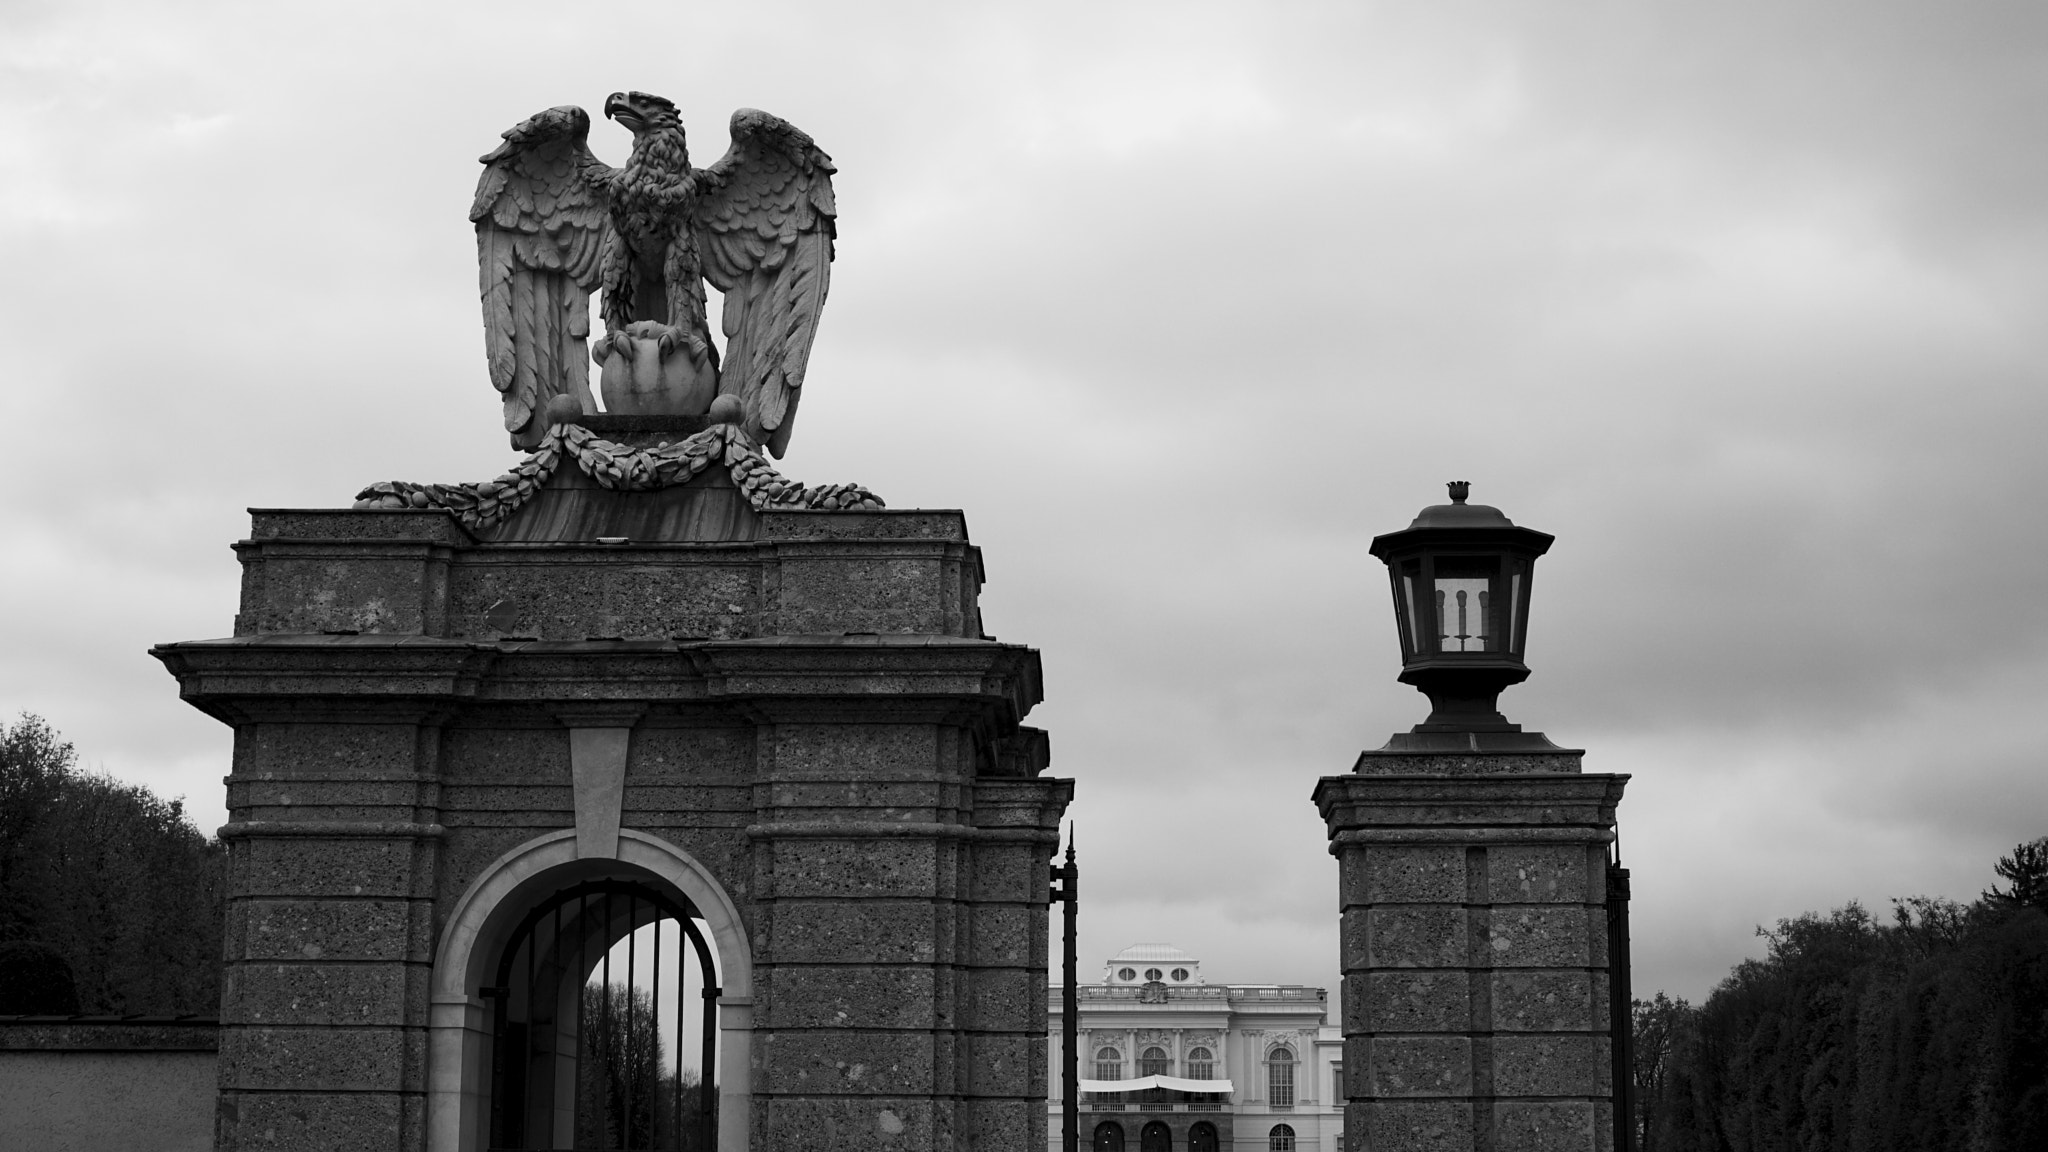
[1433, 801]
[924, 678]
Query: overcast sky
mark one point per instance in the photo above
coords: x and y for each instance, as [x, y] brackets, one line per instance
[1183, 303]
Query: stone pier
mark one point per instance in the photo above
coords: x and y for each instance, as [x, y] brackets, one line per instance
[790, 722]
[1474, 946]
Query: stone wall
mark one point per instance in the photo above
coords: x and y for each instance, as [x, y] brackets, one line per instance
[110, 1085]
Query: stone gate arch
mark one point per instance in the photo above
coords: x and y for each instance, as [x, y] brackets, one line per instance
[458, 1046]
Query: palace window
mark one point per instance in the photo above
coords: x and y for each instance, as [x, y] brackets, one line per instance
[1201, 1064]
[1280, 1082]
[1281, 1139]
[1127, 973]
[1109, 1064]
[1154, 974]
[1180, 974]
[1154, 1062]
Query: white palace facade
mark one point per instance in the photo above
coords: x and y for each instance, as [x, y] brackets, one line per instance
[1172, 1063]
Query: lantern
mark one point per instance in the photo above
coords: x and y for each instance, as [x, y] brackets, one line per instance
[1461, 576]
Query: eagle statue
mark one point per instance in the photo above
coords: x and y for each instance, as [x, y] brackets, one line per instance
[554, 224]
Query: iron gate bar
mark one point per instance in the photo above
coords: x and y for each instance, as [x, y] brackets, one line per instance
[512, 1129]
[604, 1031]
[682, 965]
[632, 942]
[708, 1062]
[655, 1012]
[1620, 1006]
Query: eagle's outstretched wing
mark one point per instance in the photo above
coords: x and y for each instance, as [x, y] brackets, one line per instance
[764, 224]
[540, 226]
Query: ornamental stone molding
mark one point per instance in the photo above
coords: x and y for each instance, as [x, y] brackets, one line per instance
[621, 468]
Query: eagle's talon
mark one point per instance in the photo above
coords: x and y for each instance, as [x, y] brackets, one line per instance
[676, 336]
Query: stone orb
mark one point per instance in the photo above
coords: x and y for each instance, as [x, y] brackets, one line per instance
[648, 385]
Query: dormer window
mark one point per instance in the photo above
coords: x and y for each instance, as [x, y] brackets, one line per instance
[1127, 973]
[1154, 974]
[1180, 975]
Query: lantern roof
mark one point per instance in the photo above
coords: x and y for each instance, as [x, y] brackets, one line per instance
[1462, 517]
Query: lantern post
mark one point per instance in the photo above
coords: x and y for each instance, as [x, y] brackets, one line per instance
[1478, 961]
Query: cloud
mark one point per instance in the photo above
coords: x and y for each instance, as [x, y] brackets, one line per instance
[1183, 305]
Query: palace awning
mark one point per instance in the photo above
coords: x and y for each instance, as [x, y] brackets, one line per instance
[1143, 1082]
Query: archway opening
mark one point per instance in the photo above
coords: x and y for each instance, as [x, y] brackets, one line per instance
[603, 1023]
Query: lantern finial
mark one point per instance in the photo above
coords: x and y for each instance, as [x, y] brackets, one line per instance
[1459, 490]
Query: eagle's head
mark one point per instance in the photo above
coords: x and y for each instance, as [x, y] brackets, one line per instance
[640, 112]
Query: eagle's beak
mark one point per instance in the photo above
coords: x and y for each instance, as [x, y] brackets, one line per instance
[615, 104]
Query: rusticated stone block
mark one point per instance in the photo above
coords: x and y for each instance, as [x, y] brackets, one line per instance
[866, 932]
[998, 1064]
[826, 590]
[325, 993]
[845, 997]
[395, 588]
[1000, 1125]
[900, 752]
[660, 754]
[302, 866]
[1007, 934]
[891, 866]
[312, 799]
[1403, 874]
[827, 1124]
[1550, 1065]
[1539, 1001]
[1541, 936]
[1417, 936]
[845, 1062]
[1410, 1126]
[603, 592]
[1002, 999]
[357, 752]
[923, 800]
[1420, 1065]
[321, 1058]
[319, 1122]
[1544, 874]
[528, 754]
[1550, 1126]
[1010, 871]
[328, 930]
[1409, 1000]
[1039, 1061]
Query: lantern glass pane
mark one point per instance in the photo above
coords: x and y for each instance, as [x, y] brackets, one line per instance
[1467, 616]
[1413, 621]
[1514, 620]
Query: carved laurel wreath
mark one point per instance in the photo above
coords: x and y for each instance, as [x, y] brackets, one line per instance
[622, 468]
